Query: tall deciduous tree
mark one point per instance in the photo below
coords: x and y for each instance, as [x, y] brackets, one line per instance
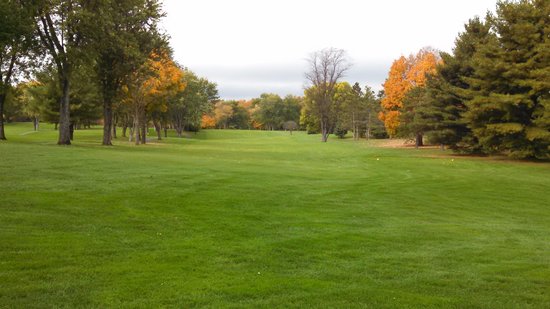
[326, 68]
[61, 26]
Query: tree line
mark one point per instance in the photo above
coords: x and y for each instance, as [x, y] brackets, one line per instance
[354, 110]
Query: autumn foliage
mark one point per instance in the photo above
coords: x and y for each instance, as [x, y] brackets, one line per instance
[150, 88]
[208, 122]
[405, 74]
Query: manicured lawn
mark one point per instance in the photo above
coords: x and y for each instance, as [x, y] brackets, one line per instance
[264, 219]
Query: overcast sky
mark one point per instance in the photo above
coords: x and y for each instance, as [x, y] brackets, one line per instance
[250, 47]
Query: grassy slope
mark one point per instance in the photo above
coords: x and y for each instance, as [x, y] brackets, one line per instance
[264, 219]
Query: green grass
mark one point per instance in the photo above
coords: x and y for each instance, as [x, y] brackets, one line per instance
[264, 219]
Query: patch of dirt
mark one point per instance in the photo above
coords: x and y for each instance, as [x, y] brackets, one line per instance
[403, 143]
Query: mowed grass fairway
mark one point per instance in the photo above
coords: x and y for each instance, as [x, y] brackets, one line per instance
[264, 219]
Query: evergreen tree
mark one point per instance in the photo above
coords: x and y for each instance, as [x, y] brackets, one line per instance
[446, 90]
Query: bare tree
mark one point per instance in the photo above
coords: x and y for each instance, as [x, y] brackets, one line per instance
[326, 67]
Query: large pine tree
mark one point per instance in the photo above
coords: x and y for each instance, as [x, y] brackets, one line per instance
[446, 91]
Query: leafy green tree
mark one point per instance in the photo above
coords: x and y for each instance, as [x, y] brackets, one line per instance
[62, 27]
[30, 105]
[353, 108]
[240, 118]
[270, 111]
[45, 92]
[186, 109]
[40, 98]
[16, 26]
[308, 119]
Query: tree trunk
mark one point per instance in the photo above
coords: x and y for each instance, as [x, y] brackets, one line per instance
[179, 125]
[368, 127]
[143, 128]
[158, 129]
[64, 112]
[136, 126]
[130, 136]
[124, 128]
[115, 123]
[2, 133]
[114, 129]
[136, 131]
[354, 124]
[165, 132]
[35, 123]
[71, 130]
[419, 142]
[324, 130]
[55, 126]
[107, 122]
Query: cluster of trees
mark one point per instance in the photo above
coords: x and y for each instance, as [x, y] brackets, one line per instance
[95, 60]
[351, 108]
[490, 95]
[268, 112]
[331, 106]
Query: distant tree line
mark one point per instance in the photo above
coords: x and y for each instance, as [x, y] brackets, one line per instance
[354, 110]
[268, 112]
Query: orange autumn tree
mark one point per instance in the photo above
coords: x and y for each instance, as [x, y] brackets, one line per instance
[395, 88]
[404, 75]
